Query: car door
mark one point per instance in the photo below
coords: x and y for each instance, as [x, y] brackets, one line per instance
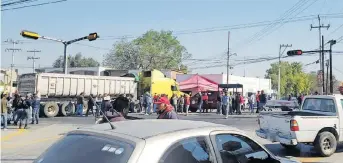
[189, 150]
[233, 147]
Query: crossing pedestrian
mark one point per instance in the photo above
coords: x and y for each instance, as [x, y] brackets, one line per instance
[166, 110]
[4, 107]
[79, 106]
[187, 103]
[35, 108]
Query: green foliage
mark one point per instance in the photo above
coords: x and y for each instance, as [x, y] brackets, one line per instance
[153, 50]
[293, 79]
[75, 61]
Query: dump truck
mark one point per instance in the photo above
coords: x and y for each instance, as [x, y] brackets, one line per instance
[59, 91]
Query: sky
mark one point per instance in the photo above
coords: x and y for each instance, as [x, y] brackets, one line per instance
[113, 19]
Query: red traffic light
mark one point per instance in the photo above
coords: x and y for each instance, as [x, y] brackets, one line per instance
[294, 52]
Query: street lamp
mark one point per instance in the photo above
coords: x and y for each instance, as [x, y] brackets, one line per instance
[35, 36]
[331, 42]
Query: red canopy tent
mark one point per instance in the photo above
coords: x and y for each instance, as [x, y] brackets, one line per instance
[198, 83]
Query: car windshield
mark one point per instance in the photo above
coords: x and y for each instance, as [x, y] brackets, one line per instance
[319, 104]
[81, 148]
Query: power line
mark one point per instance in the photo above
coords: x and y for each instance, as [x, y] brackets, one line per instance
[16, 3]
[40, 4]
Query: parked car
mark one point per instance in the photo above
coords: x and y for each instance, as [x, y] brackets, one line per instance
[150, 141]
[319, 123]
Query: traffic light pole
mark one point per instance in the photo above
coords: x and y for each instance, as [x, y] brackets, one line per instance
[279, 75]
[35, 36]
[323, 68]
[332, 42]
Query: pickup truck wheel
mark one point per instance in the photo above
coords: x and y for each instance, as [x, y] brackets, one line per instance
[326, 144]
[288, 147]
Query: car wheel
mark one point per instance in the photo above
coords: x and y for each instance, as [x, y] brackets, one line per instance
[326, 144]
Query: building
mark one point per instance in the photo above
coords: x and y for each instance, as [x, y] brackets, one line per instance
[250, 84]
[97, 71]
[5, 80]
[102, 71]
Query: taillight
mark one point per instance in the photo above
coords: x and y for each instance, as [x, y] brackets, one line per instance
[294, 125]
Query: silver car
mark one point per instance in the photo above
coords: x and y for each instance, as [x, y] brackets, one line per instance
[158, 141]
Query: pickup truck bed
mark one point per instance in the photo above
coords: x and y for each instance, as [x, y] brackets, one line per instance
[322, 116]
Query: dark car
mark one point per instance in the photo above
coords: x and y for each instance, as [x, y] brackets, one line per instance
[212, 101]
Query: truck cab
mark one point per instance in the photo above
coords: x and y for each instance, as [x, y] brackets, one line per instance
[319, 123]
[156, 82]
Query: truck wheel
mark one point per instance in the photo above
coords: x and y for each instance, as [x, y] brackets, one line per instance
[67, 109]
[326, 144]
[85, 107]
[288, 147]
[193, 109]
[51, 109]
[125, 112]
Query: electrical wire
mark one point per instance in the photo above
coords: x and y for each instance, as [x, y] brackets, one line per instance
[17, 3]
[35, 5]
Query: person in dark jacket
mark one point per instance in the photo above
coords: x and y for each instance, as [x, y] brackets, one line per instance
[79, 106]
[165, 109]
[121, 104]
[107, 106]
[23, 106]
[238, 103]
[15, 105]
[263, 100]
[91, 103]
[35, 109]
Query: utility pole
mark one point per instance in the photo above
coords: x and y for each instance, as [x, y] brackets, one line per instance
[13, 49]
[323, 74]
[332, 42]
[279, 75]
[320, 26]
[228, 59]
[33, 58]
[327, 75]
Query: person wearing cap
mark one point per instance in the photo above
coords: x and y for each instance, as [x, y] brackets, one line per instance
[165, 109]
[4, 110]
[35, 108]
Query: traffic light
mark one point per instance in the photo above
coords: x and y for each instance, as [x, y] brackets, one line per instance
[294, 52]
[93, 36]
[29, 34]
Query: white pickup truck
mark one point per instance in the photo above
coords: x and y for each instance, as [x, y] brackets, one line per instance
[319, 123]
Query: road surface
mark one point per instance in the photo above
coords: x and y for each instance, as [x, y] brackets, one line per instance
[25, 145]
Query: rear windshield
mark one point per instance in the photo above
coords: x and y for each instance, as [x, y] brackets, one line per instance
[319, 104]
[79, 148]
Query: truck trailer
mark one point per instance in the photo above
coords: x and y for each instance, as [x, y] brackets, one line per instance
[59, 91]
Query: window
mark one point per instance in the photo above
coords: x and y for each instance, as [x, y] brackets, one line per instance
[193, 150]
[173, 88]
[319, 104]
[239, 149]
[79, 148]
[147, 74]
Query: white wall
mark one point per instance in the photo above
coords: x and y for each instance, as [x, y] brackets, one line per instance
[250, 84]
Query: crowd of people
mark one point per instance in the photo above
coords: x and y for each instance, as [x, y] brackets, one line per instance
[20, 109]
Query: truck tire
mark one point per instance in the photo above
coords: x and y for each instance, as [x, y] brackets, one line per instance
[125, 112]
[67, 109]
[85, 107]
[193, 109]
[51, 109]
[288, 147]
[326, 144]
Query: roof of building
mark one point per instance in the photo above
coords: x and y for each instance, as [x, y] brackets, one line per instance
[152, 127]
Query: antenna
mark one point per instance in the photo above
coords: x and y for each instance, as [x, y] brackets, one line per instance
[108, 121]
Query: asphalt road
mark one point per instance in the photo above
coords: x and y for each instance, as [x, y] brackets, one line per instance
[26, 145]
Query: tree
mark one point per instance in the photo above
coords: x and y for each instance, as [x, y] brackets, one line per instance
[153, 50]
[293, 79]
[75, 61]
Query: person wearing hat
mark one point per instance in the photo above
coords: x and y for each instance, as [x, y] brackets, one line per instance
[4, 109]
[165, 109]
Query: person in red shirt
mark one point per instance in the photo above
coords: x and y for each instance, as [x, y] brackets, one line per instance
[205, 102]
[258, 101]
[187, 103]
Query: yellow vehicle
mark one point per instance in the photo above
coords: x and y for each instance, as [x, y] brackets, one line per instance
[155, 81]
